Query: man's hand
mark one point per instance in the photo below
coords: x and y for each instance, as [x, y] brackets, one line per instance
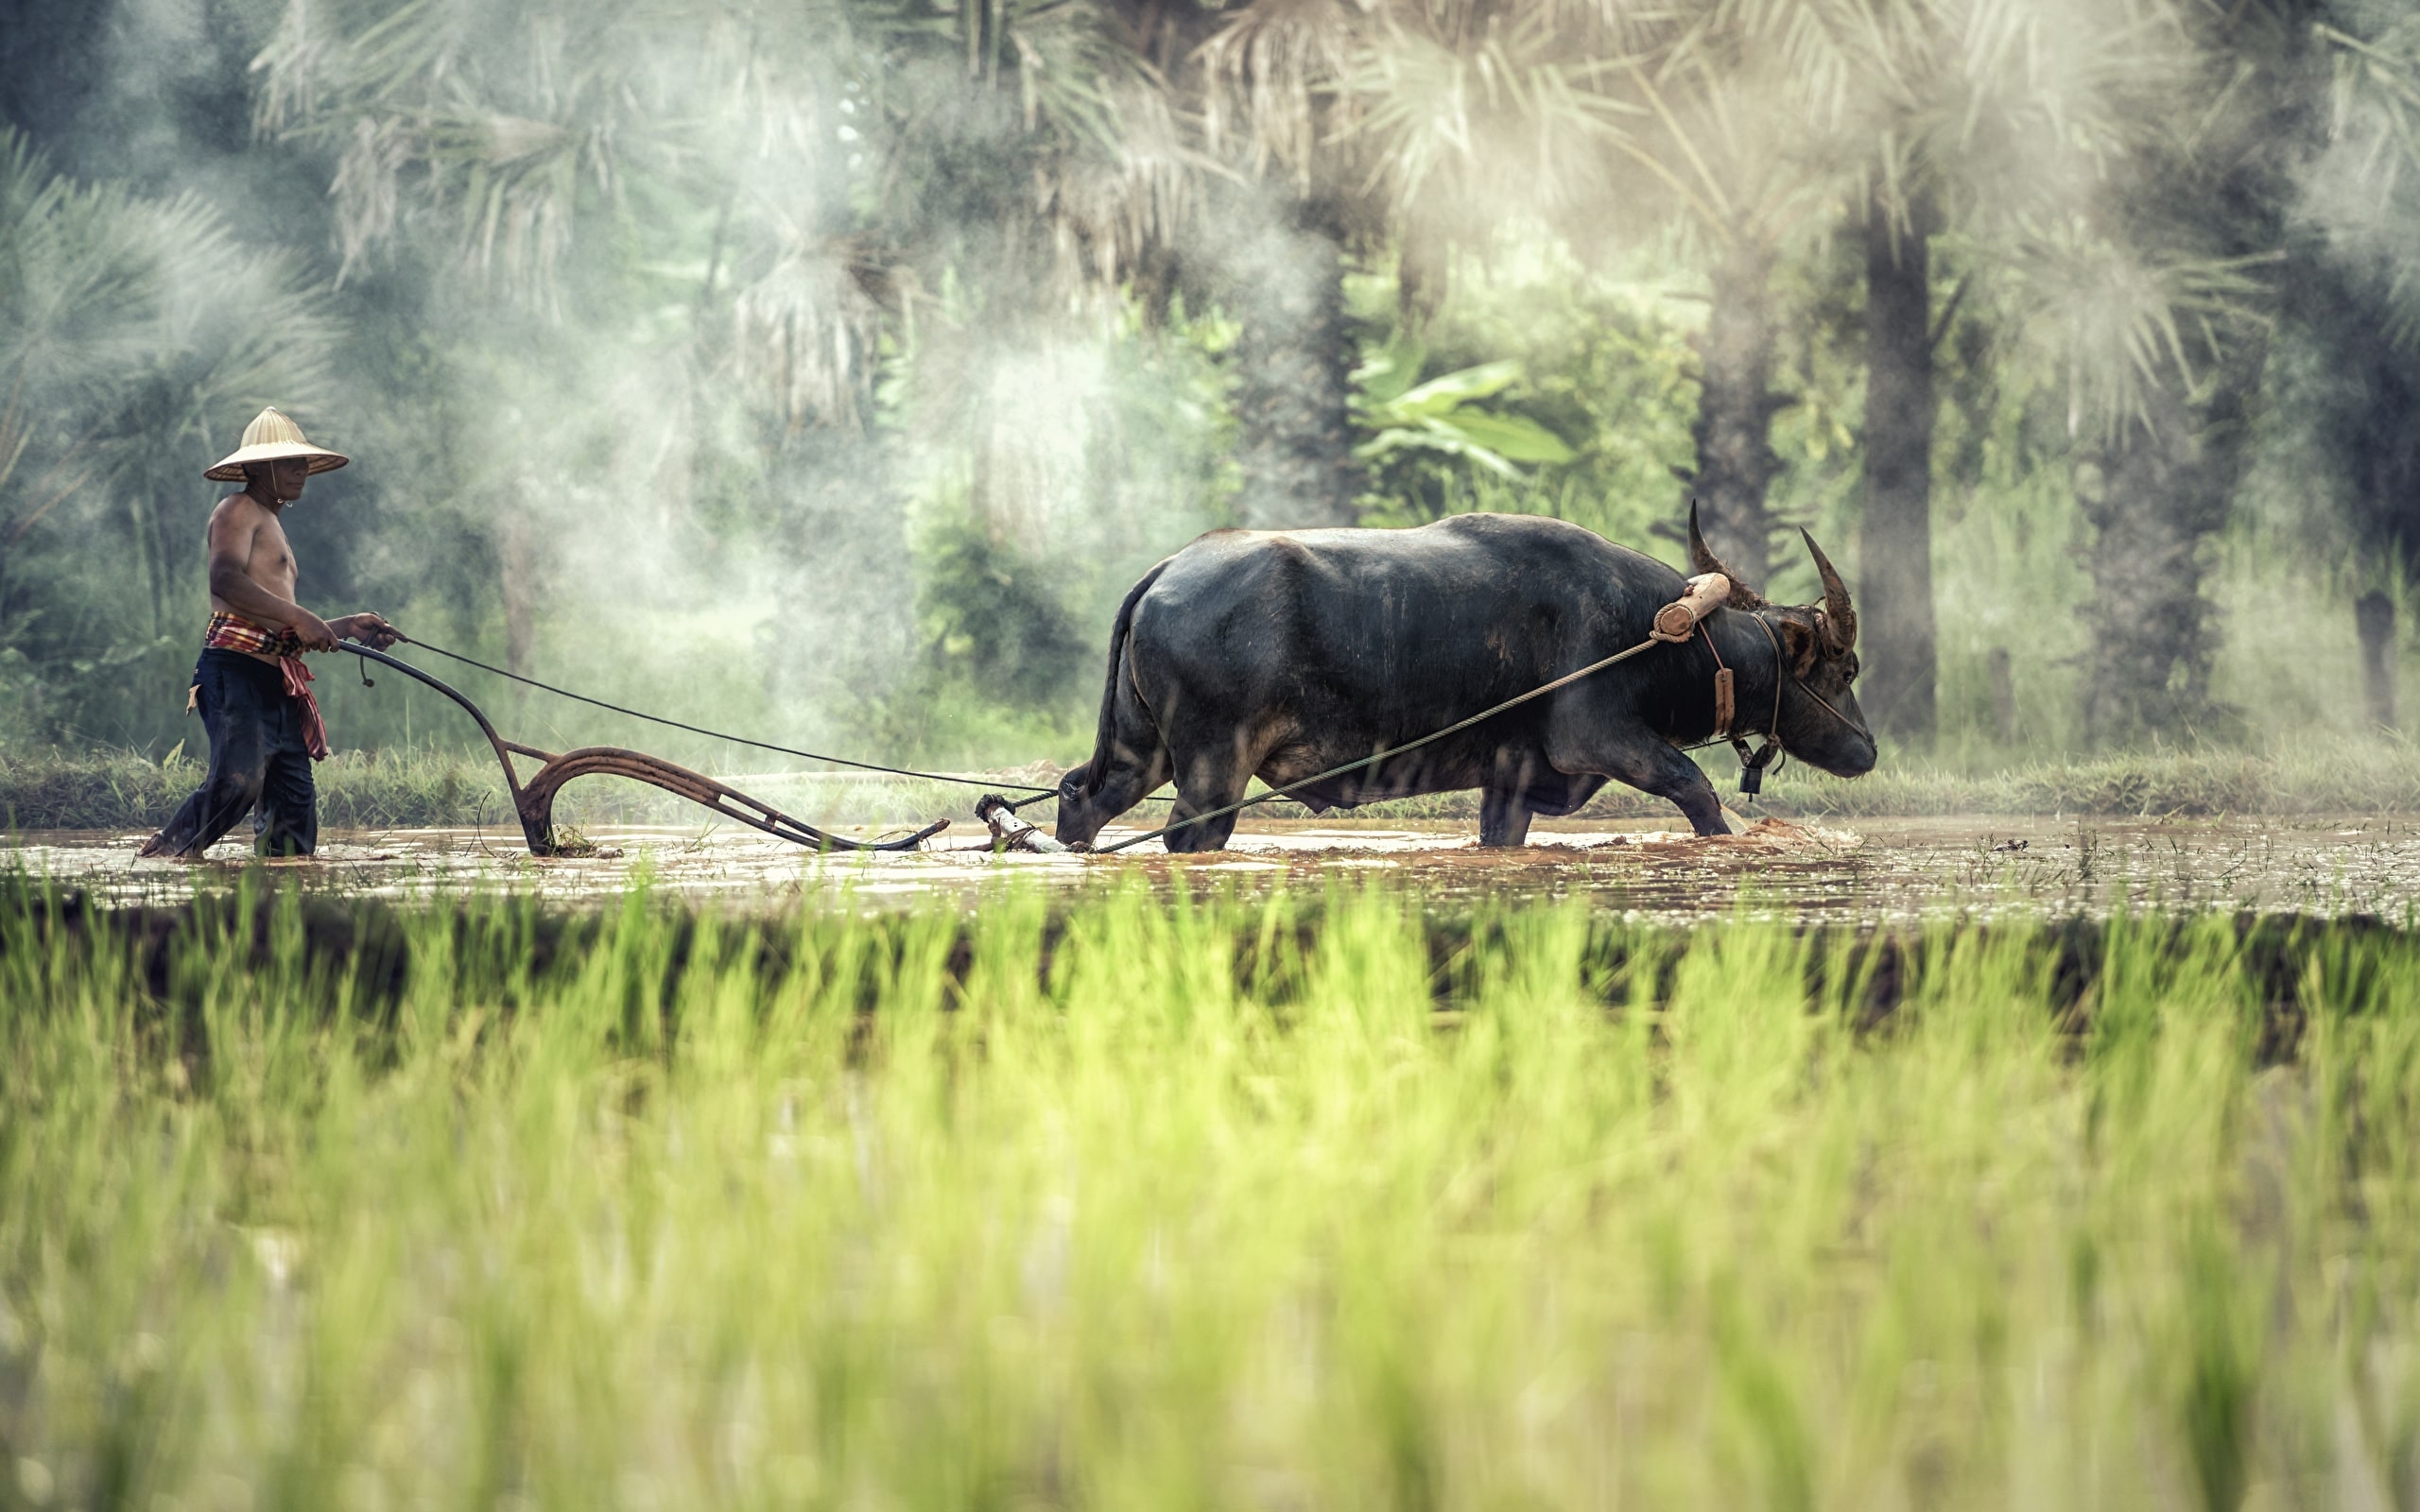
[314, 632]
[371, 630]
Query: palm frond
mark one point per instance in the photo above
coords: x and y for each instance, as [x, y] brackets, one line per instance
[135, 335]
[1269, 68]
[2129, 321]
[2365, 191]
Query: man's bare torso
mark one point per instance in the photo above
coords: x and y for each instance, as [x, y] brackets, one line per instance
[271, 562]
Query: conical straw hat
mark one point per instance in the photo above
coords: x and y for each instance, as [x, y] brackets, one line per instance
[270, 437]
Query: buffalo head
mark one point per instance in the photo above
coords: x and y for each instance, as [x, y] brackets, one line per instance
[1078, 816]
[1819, 722]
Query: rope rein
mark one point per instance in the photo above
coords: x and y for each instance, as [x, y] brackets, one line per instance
[1039, 793]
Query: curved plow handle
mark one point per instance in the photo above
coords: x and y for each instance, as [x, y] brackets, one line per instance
[534, 801]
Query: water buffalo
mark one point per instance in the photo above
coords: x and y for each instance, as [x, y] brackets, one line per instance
[1281, 653]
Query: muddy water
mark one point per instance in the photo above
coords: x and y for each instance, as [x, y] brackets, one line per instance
[1882, 869]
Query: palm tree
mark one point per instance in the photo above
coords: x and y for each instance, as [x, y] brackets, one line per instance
[866, 145]
[2020, 127]
[855, 209]
[1726, 145]
[1380, 128]
[1894, 120]
[1454, 116]
[2352, 292]
[2164, 286]
[1286, 218]
[133, 332]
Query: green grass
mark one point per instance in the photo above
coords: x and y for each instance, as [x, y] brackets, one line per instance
[1319, 1201]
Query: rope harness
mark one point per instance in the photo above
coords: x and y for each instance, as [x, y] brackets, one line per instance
[1752, 767]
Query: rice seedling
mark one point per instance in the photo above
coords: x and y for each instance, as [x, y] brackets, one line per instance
[1302, 1199]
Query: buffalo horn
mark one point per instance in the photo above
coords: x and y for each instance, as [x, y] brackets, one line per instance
[1839, 615]
[1701, 558]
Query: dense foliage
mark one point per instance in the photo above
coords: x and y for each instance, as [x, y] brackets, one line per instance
[831, 367]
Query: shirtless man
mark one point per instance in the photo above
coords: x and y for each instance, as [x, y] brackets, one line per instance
[251, 686]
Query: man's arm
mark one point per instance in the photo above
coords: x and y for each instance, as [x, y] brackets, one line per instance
[231, 530]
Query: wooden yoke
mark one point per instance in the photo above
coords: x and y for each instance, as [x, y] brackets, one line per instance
[534, 803]
[1678, 620]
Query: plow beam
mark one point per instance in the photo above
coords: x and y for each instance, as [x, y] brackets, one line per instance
[536, 798]
[533, 802]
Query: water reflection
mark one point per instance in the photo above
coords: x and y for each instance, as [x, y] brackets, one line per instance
[1877, 869]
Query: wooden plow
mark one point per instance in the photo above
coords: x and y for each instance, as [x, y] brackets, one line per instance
[534, 800]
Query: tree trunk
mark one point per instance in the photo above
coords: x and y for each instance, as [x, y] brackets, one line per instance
[2158, 497]
[1895, 543]
[1999, 675]
[517, 564]
[2382, 391]
[2374, 618]
[1293, 366]
[1736, 406]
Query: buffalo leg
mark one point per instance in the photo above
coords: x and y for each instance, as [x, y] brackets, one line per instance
[1206, 783]
[1503, 818]
[1129, 763]
[1128, 782]
[1653, 766]
[1504, 806]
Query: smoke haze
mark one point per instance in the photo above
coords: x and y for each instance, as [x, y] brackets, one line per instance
[827, 370]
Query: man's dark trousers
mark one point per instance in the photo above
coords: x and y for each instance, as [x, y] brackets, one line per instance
[258, 762]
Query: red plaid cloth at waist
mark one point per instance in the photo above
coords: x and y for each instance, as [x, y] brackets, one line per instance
[229, 632]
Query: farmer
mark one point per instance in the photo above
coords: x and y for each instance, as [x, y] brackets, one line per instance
[251, 685]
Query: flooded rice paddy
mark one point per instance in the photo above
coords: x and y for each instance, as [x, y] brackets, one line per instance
[1869, 870]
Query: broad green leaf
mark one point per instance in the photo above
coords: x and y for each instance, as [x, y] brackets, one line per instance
[1390, 371]
[1438, 395]
[1516, 438]
[1437, 437]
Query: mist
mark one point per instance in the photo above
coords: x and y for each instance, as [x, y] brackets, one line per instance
[827, 371]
